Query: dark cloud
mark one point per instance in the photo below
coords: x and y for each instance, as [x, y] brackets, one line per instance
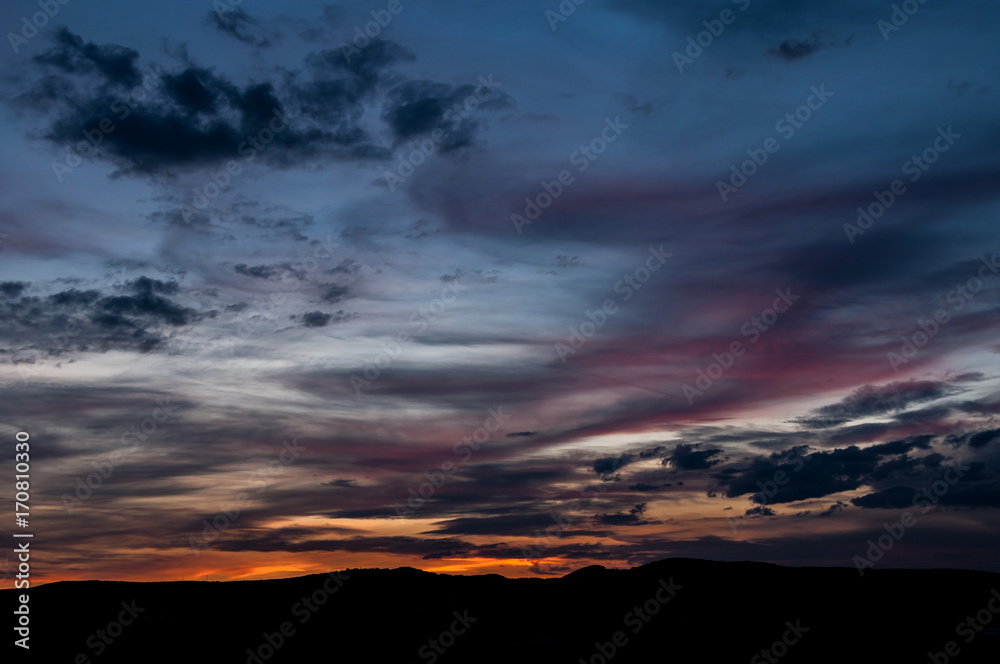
[877, 400]
[933, 460]
[427, 548]
[984, 438]
[509, 525]
[922, 442]
[417, 108]
[70, 54]
[796, 49]
[972, 490]
[647, 487]
[240, 26]
[833, 509]
[894, 468]
[335, 294]
[194, 116]
[608, 465]
[924, 415]
[341, 483]
[197, 90]
[145, 285]
[973, 493]
[316, 319]
[256, 271]
[365, 66]
[133, 318]
[761, 510]
[685, 457]
[632, 518]
[818, 474]
[347, 266]
[13, 288]
[145, 303]
[895, 497]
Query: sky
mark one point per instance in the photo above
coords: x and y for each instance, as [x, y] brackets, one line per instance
[506, 288]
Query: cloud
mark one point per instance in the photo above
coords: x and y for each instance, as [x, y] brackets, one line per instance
[608, 465]
[70, 54]
[240, 26]
[427, 548]
[632, 518]
[145, 303]
[872, 400]
[795, 49]
[417, 108]
[341, 483]
[896, 497]
[685, 457]
[761, 510]
[970, 491]
[133, 318]
[13, 288]
[984, 438]
[257, 271]
[193, 116]
[315, 319]
[647, 487]
[816, 475]
[833, 509]
[335, 294]
[508, 525]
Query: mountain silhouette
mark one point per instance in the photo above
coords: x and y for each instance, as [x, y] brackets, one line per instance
[673, 610]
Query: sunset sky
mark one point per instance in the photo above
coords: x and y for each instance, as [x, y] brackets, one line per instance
[620, 294]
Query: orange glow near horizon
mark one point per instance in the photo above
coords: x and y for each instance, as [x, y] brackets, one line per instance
[481, 564]
[227, 567]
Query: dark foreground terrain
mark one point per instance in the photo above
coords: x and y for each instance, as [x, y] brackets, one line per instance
[676, 610]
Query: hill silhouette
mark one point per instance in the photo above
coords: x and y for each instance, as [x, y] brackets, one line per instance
[674, 610]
